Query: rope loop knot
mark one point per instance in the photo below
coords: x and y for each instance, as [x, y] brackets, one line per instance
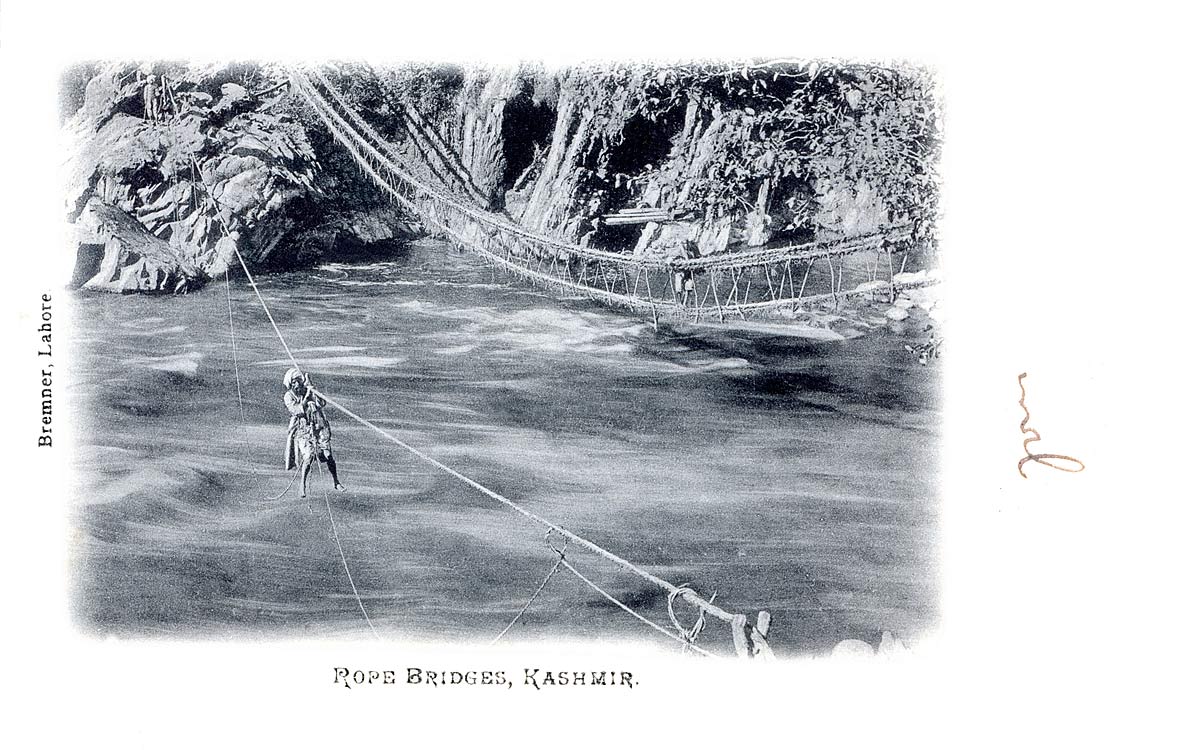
[687, 634]
[560, 551]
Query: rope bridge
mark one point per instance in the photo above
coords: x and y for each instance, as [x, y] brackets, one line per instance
[762, 283]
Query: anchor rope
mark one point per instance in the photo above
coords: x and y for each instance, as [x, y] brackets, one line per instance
[291, 482]
[554, 569]
[689, 634]
[342, 553]
[625, 607]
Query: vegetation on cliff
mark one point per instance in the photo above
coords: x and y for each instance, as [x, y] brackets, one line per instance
[736, 155]
[742, 155]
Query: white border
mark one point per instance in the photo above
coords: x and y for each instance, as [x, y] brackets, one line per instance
[1065, 605]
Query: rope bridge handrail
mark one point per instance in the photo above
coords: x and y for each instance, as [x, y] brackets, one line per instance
[372, 135]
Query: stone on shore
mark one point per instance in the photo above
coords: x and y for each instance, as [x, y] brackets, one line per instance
[117, 254]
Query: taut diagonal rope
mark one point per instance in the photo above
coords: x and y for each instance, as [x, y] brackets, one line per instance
[342, 553]
[554, 569]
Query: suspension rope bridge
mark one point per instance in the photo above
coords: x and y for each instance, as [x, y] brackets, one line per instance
[761, 283]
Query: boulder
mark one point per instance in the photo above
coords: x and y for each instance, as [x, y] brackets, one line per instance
[870, 288]
[664, 240]
[853, 647]
[889, 645]
[125, 257]
[131, 168]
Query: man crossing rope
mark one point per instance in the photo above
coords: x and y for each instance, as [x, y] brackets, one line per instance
[308, 436]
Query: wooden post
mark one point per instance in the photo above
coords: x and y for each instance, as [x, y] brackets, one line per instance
[741, 642]
[750, 642]
[758, 637]
[832, 281]
[891, 272]
[716, 295]
[735, 275]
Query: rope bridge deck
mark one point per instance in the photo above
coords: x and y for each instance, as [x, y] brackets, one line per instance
[763, 283]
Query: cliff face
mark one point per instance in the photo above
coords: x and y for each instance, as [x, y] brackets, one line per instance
[149, 140]
[731, 157]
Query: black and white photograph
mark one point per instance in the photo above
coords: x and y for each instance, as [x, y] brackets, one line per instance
[608, 375]
[604, 352]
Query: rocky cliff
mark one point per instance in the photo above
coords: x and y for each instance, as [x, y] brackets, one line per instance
[175, 165]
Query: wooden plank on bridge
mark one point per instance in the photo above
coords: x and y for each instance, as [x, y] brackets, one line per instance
[637, 216]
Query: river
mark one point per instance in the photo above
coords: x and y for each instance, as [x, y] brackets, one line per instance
[783, 473]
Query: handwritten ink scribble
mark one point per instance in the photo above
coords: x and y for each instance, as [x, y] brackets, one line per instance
[1066, 463]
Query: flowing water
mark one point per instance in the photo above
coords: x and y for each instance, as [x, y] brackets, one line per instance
[783, 473]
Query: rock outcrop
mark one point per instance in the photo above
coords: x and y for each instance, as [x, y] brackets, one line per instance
[117, 254]
[197, 163]
[485, 98]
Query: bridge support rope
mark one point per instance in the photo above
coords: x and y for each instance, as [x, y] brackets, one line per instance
[554, 569]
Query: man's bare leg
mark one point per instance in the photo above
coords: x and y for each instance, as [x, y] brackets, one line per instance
[304, 478]
[327, 457]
